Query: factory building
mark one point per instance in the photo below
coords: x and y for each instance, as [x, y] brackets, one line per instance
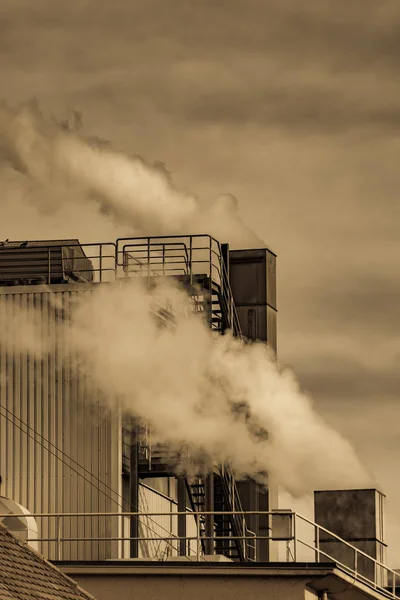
[98, 497]
[63, 451]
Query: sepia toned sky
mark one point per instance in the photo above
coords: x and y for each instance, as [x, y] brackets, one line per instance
[293, 107]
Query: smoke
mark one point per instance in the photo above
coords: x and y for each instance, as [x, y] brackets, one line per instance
[209, 392]
[213, 394]
[58, 183]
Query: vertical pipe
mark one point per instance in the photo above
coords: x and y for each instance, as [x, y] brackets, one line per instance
[209, 504]
[134, 492]
[182, 518]
[49, 263]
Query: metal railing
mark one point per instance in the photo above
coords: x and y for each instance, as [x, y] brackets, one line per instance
[195, 260]
[249, 544]
[63, 534]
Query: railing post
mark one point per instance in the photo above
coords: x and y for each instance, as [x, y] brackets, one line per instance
[148, 259]
[244, 538]
[182, 517]
[101, 262]
[209, 518]
[58, 525]
[190, 261]
[198, 537]
[317, 542]
[49, 265]
[355, 562]
[294, 537]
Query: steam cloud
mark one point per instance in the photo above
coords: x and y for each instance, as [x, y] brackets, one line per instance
[211, 393]
[208, 391]
[60, 184]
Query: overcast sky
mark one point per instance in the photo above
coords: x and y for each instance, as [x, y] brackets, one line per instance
[294, 108]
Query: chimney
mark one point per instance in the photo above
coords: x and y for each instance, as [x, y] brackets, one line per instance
[356, 516]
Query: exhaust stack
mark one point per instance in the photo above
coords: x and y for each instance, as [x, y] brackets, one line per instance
[356, 516]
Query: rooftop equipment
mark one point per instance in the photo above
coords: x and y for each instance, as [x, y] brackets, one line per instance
[44, 262]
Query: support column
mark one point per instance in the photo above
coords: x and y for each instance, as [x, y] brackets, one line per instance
[134, 492]
[182, 518]
[209, 506]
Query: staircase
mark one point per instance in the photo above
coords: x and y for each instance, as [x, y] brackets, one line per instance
[197, 262]
[227, 528]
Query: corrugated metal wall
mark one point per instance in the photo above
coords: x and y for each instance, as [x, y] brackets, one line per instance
[51, 397]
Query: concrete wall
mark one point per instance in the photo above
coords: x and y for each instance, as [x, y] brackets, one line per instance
[151, 587]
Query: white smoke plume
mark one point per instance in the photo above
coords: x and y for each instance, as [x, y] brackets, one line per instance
[58, 183]
[212, 393]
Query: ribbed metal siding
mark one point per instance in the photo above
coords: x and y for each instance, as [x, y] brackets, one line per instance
[52, 398]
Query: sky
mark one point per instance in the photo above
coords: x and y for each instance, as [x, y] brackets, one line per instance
[292, 107]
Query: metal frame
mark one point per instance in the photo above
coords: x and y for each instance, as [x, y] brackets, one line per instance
[378, 583]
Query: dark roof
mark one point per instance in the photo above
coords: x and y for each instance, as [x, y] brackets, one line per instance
[25, 574]
[40, 243]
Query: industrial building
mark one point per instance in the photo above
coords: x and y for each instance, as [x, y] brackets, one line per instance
[101, 499]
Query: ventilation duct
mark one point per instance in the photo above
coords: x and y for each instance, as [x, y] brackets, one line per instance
[19, 522]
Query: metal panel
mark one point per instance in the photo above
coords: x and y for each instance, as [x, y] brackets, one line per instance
[356, 516]
[253, 282]
[53, 427]
[350, 514]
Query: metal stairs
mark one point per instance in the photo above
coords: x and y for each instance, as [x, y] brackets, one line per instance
[198, 263]
[227, 528]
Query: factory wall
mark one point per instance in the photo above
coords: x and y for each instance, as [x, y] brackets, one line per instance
[166, 586]
[51, 417]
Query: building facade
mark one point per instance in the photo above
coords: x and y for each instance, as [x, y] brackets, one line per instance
[63, 451]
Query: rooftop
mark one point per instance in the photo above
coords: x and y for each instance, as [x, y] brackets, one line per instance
[26, 574]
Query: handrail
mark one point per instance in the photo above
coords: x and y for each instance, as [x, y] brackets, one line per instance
[375, 582]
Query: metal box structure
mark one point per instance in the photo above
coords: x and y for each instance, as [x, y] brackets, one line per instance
[39, 262]
[357, 517]
[252, 275]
